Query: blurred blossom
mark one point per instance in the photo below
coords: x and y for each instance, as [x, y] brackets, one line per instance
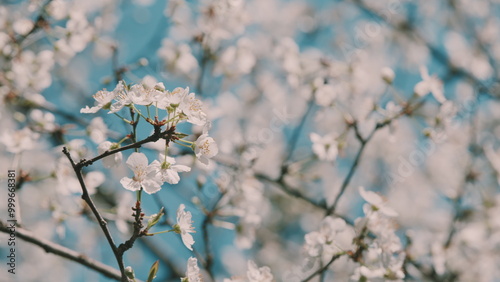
[20, 140]
[325, 147]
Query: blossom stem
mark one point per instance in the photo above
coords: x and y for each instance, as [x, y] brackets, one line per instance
[122, 118]
[123, 139]
[140, 114]
[186, 141]
[161, 232]
[182, 144]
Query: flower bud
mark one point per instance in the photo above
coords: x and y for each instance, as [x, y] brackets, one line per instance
[387, 75]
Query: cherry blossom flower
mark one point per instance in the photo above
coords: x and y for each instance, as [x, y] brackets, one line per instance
[326, 147]
[97, 130]
[172, 99]
[122, 98]
[205, 148]
[178, 57]
[430, 84]
[192, 108]
[325, 93]
[184, 227]
[254, 274]
[258, 274]
[141, 95]
[324, 239]
[44, 121]
[168, 170]
[192, 271]
[377, 202]
[20, 140]
[387, 75]
[145, 176]
[103, 100]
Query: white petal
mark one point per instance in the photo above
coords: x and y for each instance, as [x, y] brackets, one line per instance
[188, 240]
[137, 160]
[130, 184]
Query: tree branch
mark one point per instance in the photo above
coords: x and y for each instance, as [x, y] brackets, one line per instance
[102, 223]
[64, 252]
[323, 268]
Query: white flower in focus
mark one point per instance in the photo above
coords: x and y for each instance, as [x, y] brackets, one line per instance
[192, 108]
[430, 84]
[169, 171]
[192, 271]
[141, 95]
[103, 100]
[326, 147]
[256, 274]
[377, 202]
[184, 227]
[172, 98]
[145, 176]
[205, 148]
[20, 140]
[122, 98]
[112, 160]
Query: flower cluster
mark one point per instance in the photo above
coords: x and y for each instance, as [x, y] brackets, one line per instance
[383, 256]
[180, 105]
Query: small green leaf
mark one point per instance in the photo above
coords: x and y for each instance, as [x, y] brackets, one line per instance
[155, 218]
[153, 270]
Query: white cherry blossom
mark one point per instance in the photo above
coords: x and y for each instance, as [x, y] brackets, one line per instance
[205, 148]
[325, 147]
[192, 271]
[184, 227]
[145, 176]
[168, 170]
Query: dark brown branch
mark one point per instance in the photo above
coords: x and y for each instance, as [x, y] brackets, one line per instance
[407, 110]
[157, 135]
[138, 217]
[64, 252]
[290, 191]
[209, 259]
[102, 223]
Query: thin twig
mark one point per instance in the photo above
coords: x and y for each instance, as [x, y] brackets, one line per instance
[323, 268]
[51, 247]
[407, 110]
[290, 191]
